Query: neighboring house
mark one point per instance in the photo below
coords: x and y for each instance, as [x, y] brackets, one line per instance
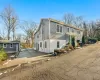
[10, 46]
[53, 34]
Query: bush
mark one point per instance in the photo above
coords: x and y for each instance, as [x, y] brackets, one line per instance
[83, 40]
[73, 42]
[3, 55]
[67, 48]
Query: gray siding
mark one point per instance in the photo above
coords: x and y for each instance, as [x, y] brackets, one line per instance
[61, 36]
[45, 29]
[8, 48]
[54, 34]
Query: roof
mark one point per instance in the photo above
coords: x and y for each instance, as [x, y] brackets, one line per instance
[7, 41]
[59, 22]
[62, 23]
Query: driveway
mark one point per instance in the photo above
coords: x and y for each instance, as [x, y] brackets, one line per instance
[30, 53]
[80, 64]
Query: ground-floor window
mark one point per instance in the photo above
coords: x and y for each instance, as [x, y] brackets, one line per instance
[58, 44]
[45, 44]
[4, 45]
[11, 45]
[40, 44]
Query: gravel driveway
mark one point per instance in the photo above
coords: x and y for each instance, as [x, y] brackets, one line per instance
[81, 64]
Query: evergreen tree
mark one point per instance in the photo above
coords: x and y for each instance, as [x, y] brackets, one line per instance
[83, 40]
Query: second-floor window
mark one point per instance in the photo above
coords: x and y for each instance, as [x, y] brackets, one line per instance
[59, 28]
[37, 36]
[68, 29]
[72, 30]
[78, 32]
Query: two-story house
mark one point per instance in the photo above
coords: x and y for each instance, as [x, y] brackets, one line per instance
[53, 34]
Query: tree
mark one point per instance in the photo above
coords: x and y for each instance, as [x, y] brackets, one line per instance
[10, 19]
[73, 41]
[2, 34]
[83, 39]
[29, 29]
[68, 18]
[78, 21]
[18, 37]
[85, 33]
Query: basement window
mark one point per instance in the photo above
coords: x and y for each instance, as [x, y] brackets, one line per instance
[58, 44]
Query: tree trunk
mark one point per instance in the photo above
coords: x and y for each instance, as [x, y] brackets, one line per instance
[14, 35]
[8, 36]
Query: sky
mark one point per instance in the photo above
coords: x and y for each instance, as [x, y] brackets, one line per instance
[36, 9]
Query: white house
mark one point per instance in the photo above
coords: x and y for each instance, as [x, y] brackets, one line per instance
[53, 34]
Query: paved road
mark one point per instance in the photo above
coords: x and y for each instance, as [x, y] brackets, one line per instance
[81, 64]
[29, 53]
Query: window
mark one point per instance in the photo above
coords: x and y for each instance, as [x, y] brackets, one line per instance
[59, 28]
[45, 44]
[11, 45]
[68, 29]
[37, 36]
[78, 32]
[40, 44]
[4, 45]
[58, 44]
[72, 30]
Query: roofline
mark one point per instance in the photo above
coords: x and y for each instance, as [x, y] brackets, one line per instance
[60, 22]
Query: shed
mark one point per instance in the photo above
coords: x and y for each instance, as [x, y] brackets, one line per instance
[10, 46]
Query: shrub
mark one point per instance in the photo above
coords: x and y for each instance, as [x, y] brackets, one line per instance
[83, 40]
[73, 41]
[3, 55]
[67, 48]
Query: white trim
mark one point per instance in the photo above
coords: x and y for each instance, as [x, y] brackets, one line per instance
[4, 46]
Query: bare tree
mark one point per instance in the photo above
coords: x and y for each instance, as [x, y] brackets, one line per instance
[78, 21]
[29, 28]
[9, 18]
[73, 20]
[68, 18]
[18, 37]
[2, 34]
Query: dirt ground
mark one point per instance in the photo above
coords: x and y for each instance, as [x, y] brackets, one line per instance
[80, 64]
